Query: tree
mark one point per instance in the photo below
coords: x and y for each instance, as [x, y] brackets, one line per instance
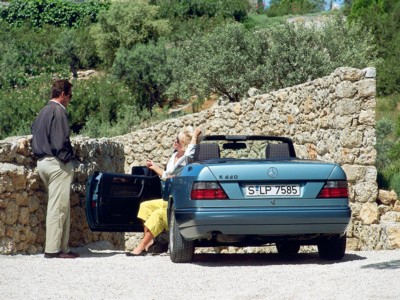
[126, 24]
[223, 61]
[231, 59]
[294, 7]
[382, 17]
[146, 71]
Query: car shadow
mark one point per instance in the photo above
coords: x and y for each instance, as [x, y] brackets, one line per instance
[263, 259]
[386, 265]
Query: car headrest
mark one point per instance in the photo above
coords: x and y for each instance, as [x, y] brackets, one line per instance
[277, 150]
[207, 151]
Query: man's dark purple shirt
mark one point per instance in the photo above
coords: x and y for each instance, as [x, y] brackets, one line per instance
[51, 132]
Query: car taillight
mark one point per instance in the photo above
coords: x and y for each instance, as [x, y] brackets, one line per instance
[334, 189]
[206, 190]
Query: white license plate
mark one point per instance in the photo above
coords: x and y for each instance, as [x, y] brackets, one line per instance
[273, 190]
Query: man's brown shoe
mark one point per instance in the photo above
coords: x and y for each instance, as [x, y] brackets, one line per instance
[73, 254]
[58, 255]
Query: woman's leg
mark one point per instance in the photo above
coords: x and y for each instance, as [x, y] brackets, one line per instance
[147, 238]
[147, 207]
[155, 224]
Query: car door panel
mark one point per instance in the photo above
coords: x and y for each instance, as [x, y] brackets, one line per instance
[113, 200]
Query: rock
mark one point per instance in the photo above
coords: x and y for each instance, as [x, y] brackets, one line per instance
[369, 213]
[387, 197]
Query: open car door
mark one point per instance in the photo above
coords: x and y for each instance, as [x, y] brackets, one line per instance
[112, 200]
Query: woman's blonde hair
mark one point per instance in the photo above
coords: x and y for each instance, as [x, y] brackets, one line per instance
[185, 136]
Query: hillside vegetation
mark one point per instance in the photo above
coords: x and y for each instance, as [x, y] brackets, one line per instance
[152, 54]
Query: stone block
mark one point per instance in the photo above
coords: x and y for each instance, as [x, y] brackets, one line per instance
[23, 216]
[391, 217]
[369, 213]
[392, 236]
[11, 212]
[366, 88]
[387, 197]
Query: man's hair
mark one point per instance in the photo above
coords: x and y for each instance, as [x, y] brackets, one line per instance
[60, 86]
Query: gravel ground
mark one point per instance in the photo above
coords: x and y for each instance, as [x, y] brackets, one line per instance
[108, 274]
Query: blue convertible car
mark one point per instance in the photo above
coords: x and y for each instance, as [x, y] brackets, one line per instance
[240, 191]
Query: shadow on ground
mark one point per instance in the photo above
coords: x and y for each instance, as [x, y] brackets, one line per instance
[246, 259]
[386, 265]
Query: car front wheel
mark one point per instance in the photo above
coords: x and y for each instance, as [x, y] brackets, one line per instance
[332, 249]
[181, 250]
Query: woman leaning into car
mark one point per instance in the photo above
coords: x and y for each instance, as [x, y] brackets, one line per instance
[154, 212]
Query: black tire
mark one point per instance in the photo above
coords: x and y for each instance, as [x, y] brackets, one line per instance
[332, 249]
[288, 248]
[181, 250]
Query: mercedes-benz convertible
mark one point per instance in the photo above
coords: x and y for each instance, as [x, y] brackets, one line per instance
[238, 191]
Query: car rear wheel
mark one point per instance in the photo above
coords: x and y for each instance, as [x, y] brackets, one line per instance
[332, 249]
[287, 248]
[181, 250]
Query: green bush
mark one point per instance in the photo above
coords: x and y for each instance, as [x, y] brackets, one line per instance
[187, 9]
[126, 24]
[18, 108]
[76, 49]
[231, 59]
[226, 61]
[53, 12]
[27, 52]
[382, 17]
[294, 7]
[102, 106]
[395, 182]
[146, 71]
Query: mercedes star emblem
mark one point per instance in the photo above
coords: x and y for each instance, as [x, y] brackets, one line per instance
[272, 172]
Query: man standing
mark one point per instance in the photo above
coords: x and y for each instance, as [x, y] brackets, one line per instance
[52, 146]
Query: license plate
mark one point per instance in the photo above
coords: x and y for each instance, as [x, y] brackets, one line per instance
[273, 190]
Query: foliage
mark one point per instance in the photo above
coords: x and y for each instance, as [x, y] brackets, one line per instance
[348, 44]
[188, 17]
[146, 71]
[77, 49]
[262, 20]
[387, 143]
[187, 9]
[231, 59]
[382, 17]
[18, 108]
[224, 61]
[54, 12]
[103, 107]
[27, 52]
[294, 7]
[126, 24]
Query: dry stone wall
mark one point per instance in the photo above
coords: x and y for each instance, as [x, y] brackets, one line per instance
[331, 119]
[23, 198]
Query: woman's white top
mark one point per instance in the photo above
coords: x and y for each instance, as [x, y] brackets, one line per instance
[182, 161]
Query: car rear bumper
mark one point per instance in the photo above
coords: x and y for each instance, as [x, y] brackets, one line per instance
[200, 223]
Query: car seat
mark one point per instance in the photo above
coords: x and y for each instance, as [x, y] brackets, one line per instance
[206, 151]
[277, 151]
